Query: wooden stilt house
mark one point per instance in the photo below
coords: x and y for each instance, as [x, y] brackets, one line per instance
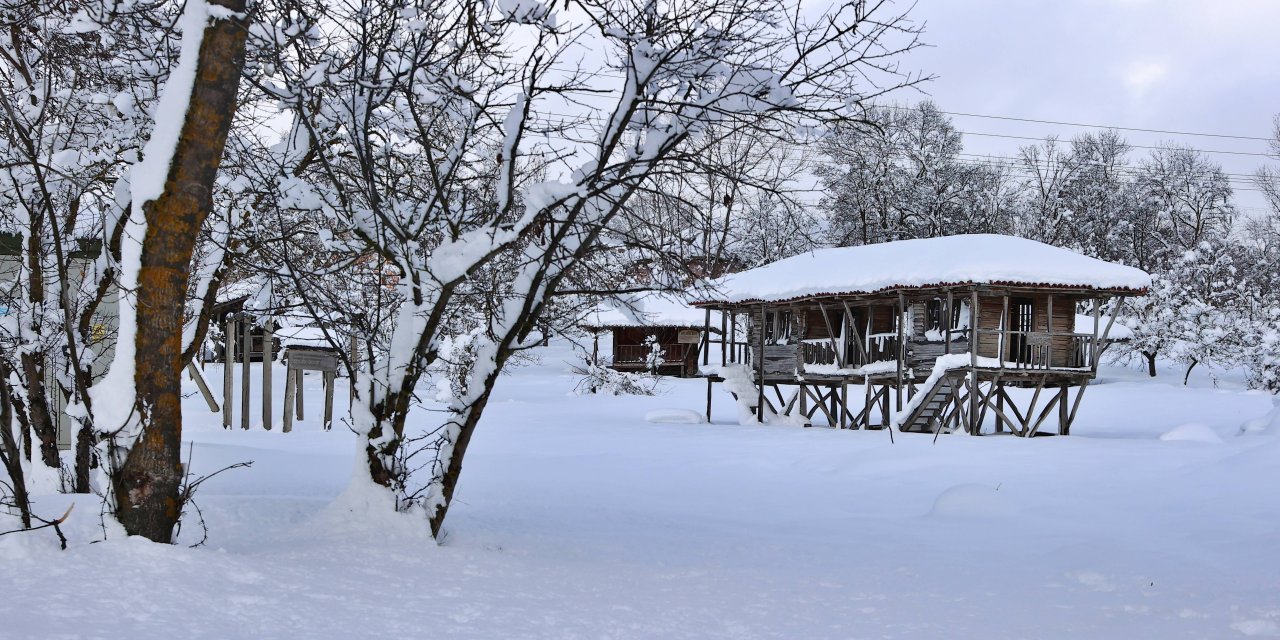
[680, 333]
[938, 329]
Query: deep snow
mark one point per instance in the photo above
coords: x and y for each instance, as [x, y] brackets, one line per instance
[576, 518]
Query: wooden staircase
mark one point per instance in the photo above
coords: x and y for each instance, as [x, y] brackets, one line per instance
[934, 407]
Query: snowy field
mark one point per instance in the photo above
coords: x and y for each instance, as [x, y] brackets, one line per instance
[577, 518]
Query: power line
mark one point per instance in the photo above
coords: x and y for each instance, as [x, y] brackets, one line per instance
[1135, 146]
[598, 120]
[962, 114]
[1094, 126]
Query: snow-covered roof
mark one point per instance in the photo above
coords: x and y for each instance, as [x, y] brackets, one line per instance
[1084, 324]
[984, 259]
[648, 310]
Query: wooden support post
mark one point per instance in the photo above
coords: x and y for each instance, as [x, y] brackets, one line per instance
[268, 355]
[1000, 407]
[198, 377]
[299, 393]
[328, 399]
[973, 362]
[831, 336]
[290, 390]
[724, 353]
[246, 347]
[595, 348]
[804, 402]
[844, 403]
[1049, 322]
[857, 339]
[1093, 348]
[1063, 411]
[709, 384]
[1071, 417]
[355, 371]
[1004, 331]
[1105, 333]
[902, 347]
[760, 368]
[948, 322]
[866, 406]
[706, 339]
[228, 376]
[733, 337]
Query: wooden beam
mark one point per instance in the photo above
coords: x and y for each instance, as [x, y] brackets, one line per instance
[228, 376]
[1063, 426]
[268, 355]
[902, 348]
[328, 377]
[1093, 351]
[198, 377]
[1049, 322]
[290, 389]
[706, 339]
[973, 361]
[831, 336]
[1001, 352]
[760, 368]
[245, 378]
[724, 353]
[947, 321]
[709, 384]
[1071, 418]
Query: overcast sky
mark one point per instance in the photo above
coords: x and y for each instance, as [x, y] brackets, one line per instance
[1210, 66]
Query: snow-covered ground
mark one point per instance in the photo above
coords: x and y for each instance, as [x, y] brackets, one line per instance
[578, 518]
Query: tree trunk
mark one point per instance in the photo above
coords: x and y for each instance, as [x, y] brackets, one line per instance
[467, 422]
[1151, 363]
[11, 453]
[84, 458]
[38, 414]
[146, 487]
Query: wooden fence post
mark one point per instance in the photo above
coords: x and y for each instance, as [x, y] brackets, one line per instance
[246, 347]
[228, 376]
[268, 355]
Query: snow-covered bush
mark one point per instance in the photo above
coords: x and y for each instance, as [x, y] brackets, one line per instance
[653, 360]
[599, 379]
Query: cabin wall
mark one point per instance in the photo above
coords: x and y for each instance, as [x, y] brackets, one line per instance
[991, 308]
[629, 345]
[781, 359]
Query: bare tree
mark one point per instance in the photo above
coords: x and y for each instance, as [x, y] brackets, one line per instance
[406, 113]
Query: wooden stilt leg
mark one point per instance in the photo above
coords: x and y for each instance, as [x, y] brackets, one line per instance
[1000, 408]
[228, 376]
[709, 383]
[298, 393]
[1063, 427]
[290, 389]
[328, 400]
[268, 355]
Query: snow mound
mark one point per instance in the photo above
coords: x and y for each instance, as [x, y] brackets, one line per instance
[674, 416]
[1192, 432]
[365, 512]
[971, 500]
[1269, 423]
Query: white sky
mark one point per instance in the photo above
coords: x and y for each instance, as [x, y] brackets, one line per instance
[1210, 66]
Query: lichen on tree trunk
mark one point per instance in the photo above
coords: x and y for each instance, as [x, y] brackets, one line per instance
[146, 487]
